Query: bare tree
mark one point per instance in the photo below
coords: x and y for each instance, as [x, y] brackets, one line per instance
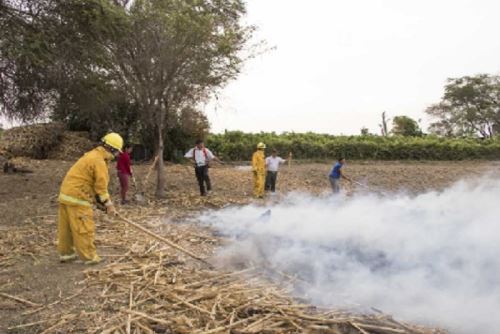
[383, 125]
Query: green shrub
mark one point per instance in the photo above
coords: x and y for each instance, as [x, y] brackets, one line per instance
[237, 145]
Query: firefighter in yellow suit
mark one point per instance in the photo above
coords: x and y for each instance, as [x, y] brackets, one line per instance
[259, 170]
[86, 182]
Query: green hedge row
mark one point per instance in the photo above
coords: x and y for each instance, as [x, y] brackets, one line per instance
[237, 145]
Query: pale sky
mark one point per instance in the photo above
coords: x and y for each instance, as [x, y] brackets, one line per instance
[338, 64]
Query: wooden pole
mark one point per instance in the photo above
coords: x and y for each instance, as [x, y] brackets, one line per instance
[159, 237]
[150, 171]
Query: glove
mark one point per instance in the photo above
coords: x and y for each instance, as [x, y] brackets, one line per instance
[111, 210]
[99, 204]
[100, 207]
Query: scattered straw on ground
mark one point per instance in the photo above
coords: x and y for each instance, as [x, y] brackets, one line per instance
[145, 286]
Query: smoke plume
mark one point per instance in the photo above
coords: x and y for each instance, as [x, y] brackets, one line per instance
[433, 259]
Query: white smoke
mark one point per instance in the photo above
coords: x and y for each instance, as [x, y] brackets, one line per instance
[432, 258]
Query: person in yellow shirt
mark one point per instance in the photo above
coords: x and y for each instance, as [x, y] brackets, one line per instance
[259, 170]
[85, 183]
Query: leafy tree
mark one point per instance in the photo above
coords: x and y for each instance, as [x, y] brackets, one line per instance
[405, 126]
[22, 57]
[183, 130]
[173, 55]
[50, 55]
[365, 131]
[136, 67]
[470, 106]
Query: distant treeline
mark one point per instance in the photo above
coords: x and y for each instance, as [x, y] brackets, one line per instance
[237, 145]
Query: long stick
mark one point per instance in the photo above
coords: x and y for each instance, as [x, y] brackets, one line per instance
[156, 236]
[28, 325]
[367, 187]
[20, 300]
[130, 302]
[150, 170]
[359, 184]
[144, 315]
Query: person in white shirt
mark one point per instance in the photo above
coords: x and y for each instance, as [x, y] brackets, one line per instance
[201, 157]
[272, 165]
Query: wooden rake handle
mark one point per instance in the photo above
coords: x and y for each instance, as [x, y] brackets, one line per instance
[159, 237]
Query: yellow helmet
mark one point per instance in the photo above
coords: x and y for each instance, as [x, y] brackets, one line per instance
[114, 140]
[261, 146]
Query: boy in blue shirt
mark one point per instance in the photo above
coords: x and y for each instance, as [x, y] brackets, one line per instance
[336, 174]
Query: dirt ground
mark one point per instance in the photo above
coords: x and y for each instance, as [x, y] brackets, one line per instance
[29, 267]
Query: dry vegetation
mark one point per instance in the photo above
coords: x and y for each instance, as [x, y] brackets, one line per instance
[144, 286]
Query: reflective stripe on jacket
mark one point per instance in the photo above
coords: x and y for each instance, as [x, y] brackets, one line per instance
[63, 198]
[87, 178]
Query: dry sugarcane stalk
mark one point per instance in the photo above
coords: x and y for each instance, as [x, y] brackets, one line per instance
[253, 325]
[188, 304]
[158, 271]
[198, 298]
[54, 303]
[31, 324]
[130, 302]
[218, 277]
[231, 325]
[115, 328]
[20, 300]
[355, 325]
[145, 316]
[143, 327]
[381, 328]
[289, 319]
[397, 323]
[59, 323]
[318, 319]
[214, 306]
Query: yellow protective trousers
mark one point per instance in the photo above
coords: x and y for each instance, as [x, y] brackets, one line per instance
[76, 231]
[258, 184]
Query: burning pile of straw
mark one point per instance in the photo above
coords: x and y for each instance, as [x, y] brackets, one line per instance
[145, 286]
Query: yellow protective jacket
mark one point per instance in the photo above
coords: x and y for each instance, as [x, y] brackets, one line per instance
[87, 178]
[259, 162]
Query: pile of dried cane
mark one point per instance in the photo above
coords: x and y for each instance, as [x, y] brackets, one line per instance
[34, 141]
[146, 286]
[72, 146]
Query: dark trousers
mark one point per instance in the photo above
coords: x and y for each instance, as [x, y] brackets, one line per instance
[271, 180]
[202, 177]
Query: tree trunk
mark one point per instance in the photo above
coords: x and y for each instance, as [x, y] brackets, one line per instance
[384, 125]
[160, 177]
[490, 130]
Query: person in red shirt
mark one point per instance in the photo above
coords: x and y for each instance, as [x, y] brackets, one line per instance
[124, 168]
